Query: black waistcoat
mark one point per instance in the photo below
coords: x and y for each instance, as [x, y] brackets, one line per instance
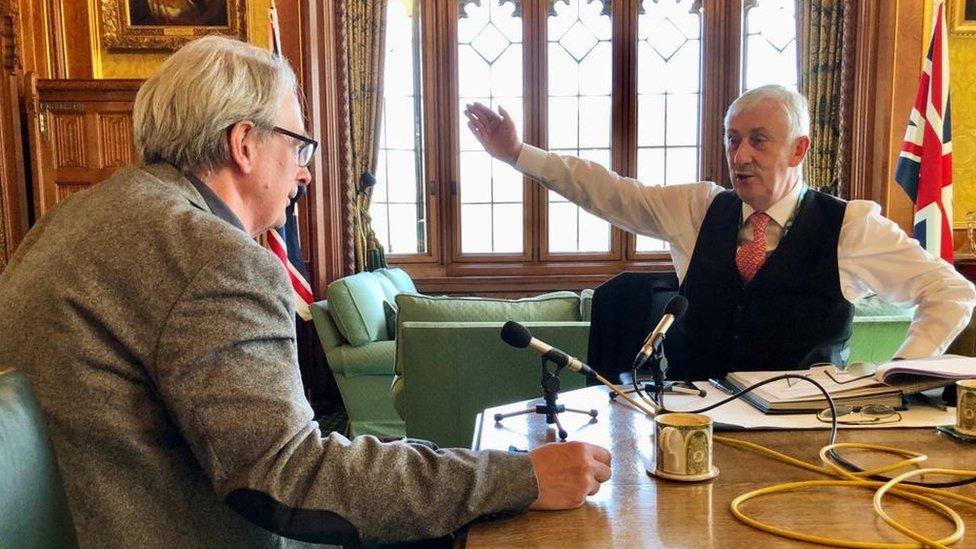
[792, 314]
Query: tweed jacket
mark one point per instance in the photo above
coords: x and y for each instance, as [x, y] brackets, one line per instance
[160, 341]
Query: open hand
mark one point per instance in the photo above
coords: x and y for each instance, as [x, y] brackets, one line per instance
[495, 131]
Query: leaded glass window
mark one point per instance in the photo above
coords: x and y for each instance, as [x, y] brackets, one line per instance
[769, 44]
[398, 207]
[580, 59]
[489, 66]
[669, 68]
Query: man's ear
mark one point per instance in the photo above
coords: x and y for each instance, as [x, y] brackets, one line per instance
[241, 138]
[800, 147]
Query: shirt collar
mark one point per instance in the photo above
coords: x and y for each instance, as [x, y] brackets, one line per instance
[782, 210]
[216, 205]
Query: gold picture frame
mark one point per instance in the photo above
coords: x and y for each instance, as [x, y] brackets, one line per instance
[962, 17]
[168, 24]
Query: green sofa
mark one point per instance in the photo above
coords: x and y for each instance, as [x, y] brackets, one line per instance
[452, 364]
[879, 330]
[352, 327]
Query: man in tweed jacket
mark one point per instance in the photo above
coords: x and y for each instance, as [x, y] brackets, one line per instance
[159, 339]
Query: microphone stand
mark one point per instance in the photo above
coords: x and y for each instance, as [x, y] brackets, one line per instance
[658, 385]
[550, 394]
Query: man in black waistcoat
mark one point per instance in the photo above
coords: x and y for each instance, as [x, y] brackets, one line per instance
[770, 268]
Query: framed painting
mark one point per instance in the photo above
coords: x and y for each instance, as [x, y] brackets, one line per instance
[962, 17]
[168, 24]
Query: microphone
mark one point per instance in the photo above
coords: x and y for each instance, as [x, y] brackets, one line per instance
[519, 336]
[674, 310]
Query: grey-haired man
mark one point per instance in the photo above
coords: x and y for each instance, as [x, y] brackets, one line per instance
[159, 339]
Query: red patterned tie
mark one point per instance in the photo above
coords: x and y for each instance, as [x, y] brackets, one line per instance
[750, 257]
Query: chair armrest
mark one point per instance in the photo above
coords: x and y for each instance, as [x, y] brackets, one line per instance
[325, 327]
[372, 359]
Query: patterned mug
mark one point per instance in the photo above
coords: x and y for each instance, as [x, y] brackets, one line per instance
[966, 407]
[684, 444]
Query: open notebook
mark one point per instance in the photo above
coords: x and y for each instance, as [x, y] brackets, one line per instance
[889, 382]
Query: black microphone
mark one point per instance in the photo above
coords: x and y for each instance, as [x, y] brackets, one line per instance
[674, 310]
[519, 336]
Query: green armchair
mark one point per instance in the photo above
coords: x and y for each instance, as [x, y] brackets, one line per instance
[352, 327]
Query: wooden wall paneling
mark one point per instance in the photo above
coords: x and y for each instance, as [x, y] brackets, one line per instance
[325, 201]
[886, 72]
[865, 112]
[80, 133]
[906, 67]
[13, 190]
[32, 36]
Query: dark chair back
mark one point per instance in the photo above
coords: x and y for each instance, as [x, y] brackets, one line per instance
[625, 309]
[33, 506]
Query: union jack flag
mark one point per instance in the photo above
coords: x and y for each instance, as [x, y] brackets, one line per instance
[924, 167]
[283, 241]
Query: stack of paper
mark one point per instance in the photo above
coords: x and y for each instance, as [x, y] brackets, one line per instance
[890, 381]
[799, 396]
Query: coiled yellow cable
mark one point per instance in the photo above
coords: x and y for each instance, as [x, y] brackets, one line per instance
[854, 480]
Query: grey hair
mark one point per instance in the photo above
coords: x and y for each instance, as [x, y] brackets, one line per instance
[796, 105]
[182, 112]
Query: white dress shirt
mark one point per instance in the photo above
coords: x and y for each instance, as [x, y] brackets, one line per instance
[873, 253]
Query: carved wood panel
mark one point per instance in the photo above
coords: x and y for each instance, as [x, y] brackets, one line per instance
[116, 133]
[13, 191]
[81, 133]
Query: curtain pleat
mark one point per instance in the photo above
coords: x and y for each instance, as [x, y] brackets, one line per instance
[824, 33]
[365, 31]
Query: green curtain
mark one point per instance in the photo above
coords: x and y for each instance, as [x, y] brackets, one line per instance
[824, 36]
[365, 30]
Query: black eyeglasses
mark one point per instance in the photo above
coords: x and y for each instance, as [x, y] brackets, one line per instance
[305, 150]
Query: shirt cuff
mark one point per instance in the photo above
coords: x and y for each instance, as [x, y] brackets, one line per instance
[531, 160]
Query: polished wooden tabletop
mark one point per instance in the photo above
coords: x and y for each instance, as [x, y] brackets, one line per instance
[634, 509]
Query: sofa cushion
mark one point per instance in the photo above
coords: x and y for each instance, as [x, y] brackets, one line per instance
[563, 306]
[390, 291]
[356, 306]
[554, 306]
[399, 278]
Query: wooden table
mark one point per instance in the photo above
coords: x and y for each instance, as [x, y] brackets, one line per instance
[634, 509]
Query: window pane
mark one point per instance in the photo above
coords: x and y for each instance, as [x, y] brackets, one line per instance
[562, 227]
[769, 44]
[489, 72]
[475, 232]
[668, 96]
[398, 208]
[579, 65]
